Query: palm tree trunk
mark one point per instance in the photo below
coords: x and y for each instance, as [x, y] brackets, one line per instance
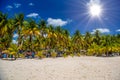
[30, 44]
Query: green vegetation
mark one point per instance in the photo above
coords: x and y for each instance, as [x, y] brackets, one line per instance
[49, 41]
[40, 54]
[53, 54]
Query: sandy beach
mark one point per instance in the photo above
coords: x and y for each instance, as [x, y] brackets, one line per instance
[76, 68]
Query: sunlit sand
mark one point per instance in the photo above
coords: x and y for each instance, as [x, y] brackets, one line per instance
[76, 68]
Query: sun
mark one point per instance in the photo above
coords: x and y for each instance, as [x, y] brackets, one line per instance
[95, 10]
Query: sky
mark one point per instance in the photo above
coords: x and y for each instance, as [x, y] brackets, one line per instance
[69, 14]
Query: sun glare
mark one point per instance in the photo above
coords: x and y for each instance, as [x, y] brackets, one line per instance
[95, 10]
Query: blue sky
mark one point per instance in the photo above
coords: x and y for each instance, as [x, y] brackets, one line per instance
[69, 14]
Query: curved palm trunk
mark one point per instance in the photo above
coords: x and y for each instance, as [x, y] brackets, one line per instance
[19, 36]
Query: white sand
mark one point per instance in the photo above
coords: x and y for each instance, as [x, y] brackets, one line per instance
[77, 68]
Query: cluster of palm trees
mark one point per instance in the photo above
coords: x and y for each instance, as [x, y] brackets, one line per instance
[46, 39]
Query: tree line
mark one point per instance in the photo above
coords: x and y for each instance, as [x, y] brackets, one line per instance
[46, 39]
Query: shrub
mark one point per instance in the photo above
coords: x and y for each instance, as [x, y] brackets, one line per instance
[90, 52]
[40, 54]
[53, 54]
[72, 55]
[64, 55]
[78, 54]
[22, 55]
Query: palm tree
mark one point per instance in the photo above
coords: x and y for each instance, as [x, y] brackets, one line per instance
[19, 19]
[62, 39]
[42, 26]
[51, 37]
[3, 22]
[66, 40]
[108, 44]
[12, 50]
[77, 41]
[88, 40]
[97, 37]
[31, 30]
[6, 30]
[94, 50]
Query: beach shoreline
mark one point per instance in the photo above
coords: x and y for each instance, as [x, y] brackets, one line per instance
[70, 68]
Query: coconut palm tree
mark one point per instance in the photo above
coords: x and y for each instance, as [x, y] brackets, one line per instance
[108, 44]
[66, 40]
[51, 37]
[31, 31]
[88, 40]
[12, 51]
[18, 21]
[97, 37]
[7, 29]
[77, 41]
[43, 27]
[3, 22]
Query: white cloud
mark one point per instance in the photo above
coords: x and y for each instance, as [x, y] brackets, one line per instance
[9, 7]
[17, 5]
[31, 4]
[118, 30]
[34, 15]
[14, 41]
[15, 35]
[102, 30]
[57, 22]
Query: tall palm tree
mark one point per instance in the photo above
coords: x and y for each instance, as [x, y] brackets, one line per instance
[108, 44]
[88, 40]
[6, 30]
[60, 39]
[31, 30]
[97, 37]
[66, 40]
[78, 41]
[19, 19]
[3, 22]
[51, 37]
[43, 27]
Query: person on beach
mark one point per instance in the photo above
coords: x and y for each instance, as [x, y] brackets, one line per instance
[33, 54]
